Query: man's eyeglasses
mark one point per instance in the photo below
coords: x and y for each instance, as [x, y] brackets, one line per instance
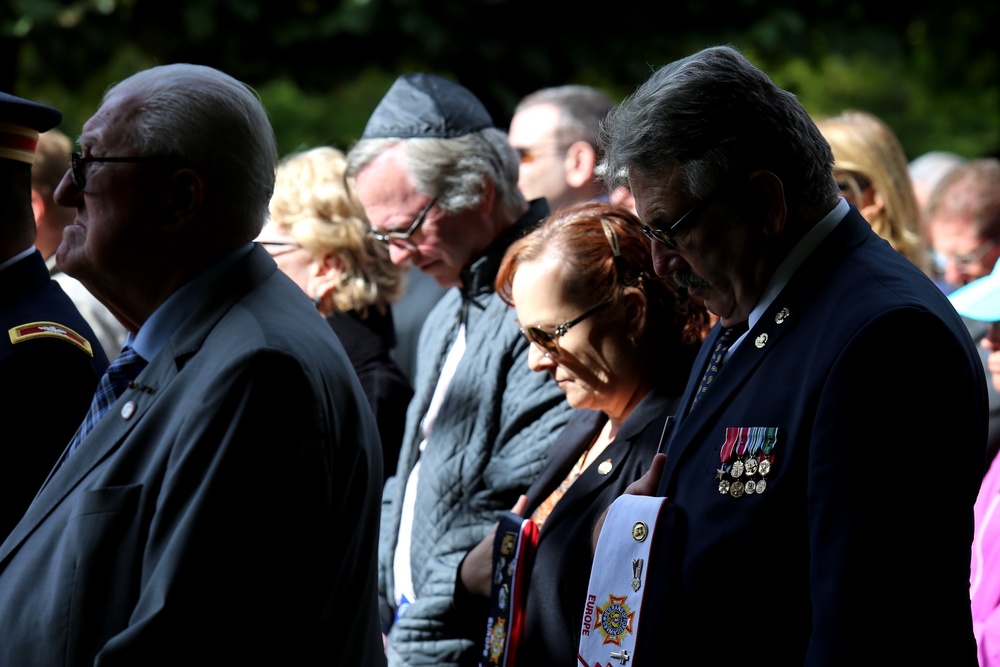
[666, 236]
[79, 164]
[528, 155]
[389, 237]
[965, 259]
[549, 340]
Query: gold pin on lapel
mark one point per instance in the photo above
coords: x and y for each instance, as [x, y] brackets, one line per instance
[639, 531]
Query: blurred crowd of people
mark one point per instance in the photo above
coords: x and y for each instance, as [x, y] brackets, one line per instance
[461, 394]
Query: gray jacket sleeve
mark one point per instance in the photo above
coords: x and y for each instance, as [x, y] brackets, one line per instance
[489, 442]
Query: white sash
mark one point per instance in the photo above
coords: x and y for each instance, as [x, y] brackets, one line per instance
[618, 583]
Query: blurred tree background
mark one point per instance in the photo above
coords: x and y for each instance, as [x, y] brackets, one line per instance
[929, 69]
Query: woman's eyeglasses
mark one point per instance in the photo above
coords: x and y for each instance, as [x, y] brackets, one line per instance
[549, 340]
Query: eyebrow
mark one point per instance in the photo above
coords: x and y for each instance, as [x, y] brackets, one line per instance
[658, 221]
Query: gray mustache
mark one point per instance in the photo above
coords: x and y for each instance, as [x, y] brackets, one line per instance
[685, 278]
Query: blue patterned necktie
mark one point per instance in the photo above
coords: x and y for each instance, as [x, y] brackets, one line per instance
[122, 370]
[728, 336]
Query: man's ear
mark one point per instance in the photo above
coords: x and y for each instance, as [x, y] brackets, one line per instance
[489, 194]
[580, 161]
[767, 201]
[186, 196]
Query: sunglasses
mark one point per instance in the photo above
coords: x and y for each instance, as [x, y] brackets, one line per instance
[78, 164]
[549, 340]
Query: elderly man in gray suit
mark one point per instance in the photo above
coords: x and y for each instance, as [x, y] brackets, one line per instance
[224, 509]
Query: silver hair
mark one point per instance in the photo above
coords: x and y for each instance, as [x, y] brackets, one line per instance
[717, 117]
[454, 169]
[214, 122]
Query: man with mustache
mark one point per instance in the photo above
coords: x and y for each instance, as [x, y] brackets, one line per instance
[815, 493]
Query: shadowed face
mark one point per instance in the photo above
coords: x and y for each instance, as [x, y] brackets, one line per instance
[593, 362]
[121, 210]
[715, 260]
[443, 244]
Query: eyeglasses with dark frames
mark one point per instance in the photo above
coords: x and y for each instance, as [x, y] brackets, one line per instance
[666, 236]
[549, 340]
[79, 164]
[389, 237]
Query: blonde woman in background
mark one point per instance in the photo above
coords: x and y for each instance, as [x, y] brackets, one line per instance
[318, 235]
[873, 174]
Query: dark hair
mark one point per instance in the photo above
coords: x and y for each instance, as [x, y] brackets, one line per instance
[717, 117]
[603, 253]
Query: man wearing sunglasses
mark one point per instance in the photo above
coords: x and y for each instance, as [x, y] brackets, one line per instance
[554, 131]
[796, 527]
[439, 185]
[222, 500]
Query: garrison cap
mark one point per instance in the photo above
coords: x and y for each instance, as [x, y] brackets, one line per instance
[20, 123]
[426, 106]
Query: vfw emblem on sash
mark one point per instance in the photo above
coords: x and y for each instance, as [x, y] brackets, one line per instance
[614, 619]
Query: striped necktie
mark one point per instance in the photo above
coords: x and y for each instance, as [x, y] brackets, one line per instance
[728, 337]
[120, 373]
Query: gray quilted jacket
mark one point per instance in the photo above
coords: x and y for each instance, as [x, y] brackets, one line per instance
[488, 444]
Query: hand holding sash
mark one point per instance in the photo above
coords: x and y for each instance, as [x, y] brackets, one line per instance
[476, 570]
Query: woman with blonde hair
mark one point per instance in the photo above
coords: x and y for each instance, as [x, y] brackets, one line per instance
[873, 173]
[318, 235]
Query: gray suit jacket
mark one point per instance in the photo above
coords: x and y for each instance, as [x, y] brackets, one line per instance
[227, 516]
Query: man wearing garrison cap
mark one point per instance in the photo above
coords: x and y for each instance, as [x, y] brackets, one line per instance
[44, 335]
[439, 184]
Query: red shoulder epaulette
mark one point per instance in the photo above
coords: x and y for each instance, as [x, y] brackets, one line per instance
[31, 330]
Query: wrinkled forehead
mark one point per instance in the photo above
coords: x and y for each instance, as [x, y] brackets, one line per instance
[655, 194]
[109, 126]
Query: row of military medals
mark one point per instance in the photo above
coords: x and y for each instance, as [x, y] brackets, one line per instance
[753, 447]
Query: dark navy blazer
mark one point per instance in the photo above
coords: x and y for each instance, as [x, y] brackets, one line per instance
[858, 547]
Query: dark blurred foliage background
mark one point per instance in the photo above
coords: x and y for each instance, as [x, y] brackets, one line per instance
[929, 69]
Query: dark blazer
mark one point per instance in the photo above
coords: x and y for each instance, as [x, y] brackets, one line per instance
[557, 586]
[225, 508]
[47, 382]
[858, 548]
[369, 342]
